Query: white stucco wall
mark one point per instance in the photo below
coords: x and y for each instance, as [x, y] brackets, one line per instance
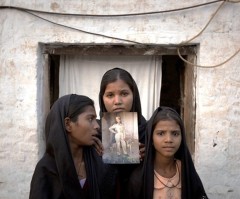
[22, 78]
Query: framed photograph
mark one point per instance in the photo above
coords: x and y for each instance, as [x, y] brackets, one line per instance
[120, 138]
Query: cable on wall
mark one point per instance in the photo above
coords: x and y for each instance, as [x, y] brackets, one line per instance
[212, 66]
[92, 33]
[84, 31]
[29, 11]
[115, 15]
[204, 28]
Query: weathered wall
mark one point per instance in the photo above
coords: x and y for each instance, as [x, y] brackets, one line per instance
[23, 90]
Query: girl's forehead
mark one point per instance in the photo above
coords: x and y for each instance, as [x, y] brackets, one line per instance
[167, 124]
[117, 85]
[89, 110]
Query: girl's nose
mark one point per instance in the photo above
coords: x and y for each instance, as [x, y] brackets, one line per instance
[96, 125]
[117, 100]
[168, 137]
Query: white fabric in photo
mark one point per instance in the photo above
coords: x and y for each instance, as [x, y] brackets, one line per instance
[82, 75]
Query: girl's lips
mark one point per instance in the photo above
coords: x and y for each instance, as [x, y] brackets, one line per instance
[168, 148]
[118, 109]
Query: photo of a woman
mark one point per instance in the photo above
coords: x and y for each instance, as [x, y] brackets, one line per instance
[119, 130]
[120, 138]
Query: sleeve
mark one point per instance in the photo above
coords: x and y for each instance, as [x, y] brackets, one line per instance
[39, 188]
[135, 184]
[112, 129]
[45, 182]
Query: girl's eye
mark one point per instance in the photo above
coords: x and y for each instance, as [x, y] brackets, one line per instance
[91, 119]
[124, 94]
[109, 95]
[176, 133]
[160, 133]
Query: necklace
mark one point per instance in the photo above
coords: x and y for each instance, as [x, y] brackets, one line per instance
[80, 168]
[169, 179]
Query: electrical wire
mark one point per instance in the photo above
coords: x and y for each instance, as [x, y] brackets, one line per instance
[233, 1]
[204, 28]
[116, 15]
[211, 66]
[84, 31]
[189, 40]
[87, 32]
[30, 11]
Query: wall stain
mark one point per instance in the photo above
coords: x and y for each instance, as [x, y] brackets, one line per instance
[54, 6]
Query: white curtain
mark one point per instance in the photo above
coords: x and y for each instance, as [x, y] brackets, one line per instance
[82, 75]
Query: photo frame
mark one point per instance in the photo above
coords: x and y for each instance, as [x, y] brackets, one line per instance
[120, 138]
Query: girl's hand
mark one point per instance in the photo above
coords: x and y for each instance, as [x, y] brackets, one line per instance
[98, 146]
[141, 151]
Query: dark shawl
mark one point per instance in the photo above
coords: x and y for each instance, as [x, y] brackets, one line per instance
[55, 176]
[126, 170]
[141, 183]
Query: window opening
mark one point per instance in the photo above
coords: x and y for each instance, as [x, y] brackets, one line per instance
[178, 78]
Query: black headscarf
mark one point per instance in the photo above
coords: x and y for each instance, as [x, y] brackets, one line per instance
[109, 77]
[142, 179]
[55, 175]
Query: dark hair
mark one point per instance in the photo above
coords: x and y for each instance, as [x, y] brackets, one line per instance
[77, 105]
[167, 113]
[113, 75]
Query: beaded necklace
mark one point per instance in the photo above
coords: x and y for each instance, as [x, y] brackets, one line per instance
[169, 178]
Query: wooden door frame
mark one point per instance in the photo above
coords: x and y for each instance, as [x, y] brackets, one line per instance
[188, 77]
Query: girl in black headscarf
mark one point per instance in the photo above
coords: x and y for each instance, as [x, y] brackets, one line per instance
[119, 92]
[70, 167]
[167, 170]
